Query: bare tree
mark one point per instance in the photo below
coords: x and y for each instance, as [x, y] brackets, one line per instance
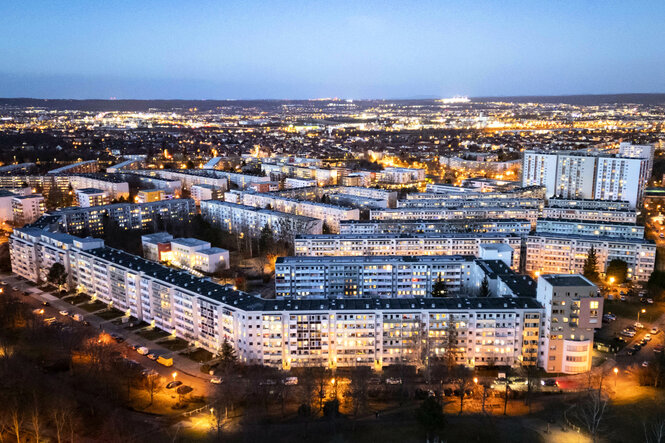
[153, 383]
[16, 418]
[590, 412]
[36, 415]
[358, 388]
[463, 380]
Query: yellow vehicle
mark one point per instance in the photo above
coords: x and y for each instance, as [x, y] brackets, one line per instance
[165, 361]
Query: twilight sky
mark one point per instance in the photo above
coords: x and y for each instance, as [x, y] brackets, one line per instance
[351, 49]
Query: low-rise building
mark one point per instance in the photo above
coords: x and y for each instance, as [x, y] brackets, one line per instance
[87, 197]
[150, 195]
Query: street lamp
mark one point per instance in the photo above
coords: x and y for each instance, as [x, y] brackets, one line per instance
[174, 375]
[638, 314]
[611, 280]
[616, 376]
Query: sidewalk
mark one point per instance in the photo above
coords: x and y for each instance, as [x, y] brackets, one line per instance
[181, 364]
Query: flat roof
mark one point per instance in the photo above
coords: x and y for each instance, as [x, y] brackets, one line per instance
[189, 241]
[566, 280]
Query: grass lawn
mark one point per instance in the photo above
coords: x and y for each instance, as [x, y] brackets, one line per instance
[110, 314]
[629, 310]
[94, 306]
[153, 334]
[77, 299]
[176, 344]
[199, 355]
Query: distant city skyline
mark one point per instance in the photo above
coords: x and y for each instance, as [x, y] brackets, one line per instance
[298, 50]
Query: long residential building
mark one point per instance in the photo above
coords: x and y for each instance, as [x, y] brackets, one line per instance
[285, 333]
[406, 244]
[330, 214]
[140, 216]
[591, 215]
[559, 253]
[528, 203]
[110, 183]
[588, 204]
[509, 226]
[190, 177]
[491, 213]
[249, 220]
[589, 228]
[394, 276]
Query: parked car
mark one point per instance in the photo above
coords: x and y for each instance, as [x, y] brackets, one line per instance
[216, 380]
[291, 381]
[64, 313]
[638, 325]
[650, 301]
[647, 337]
[654, 331]
[645, 364]
[143, 350]
[173, 384]
[658, 349]
[394, 381]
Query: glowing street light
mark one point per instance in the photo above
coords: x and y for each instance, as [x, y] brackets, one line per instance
[616, 376]
[611, 280]
[174, 375]
[475, 380]
[643, 311]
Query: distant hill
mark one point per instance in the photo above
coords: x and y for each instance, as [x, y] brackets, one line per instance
[97, 105]
[587, 99]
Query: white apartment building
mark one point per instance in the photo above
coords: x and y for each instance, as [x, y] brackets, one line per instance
[87, 197]
[584, 175]
[540, 169]
[405, 244]
[587, 228]
[489, 213]
[646, 152]
[401, 176]
[200, 193]
[108, 183]
[558, 253]
[330, 214]
[575, 176]
[6, 212]
[621, 179]
[588, 204]
[509, 226]
[27, 208]
[126, 215]
[295, 183]
[591, 215]
[192, 253]
[75, 168]
[285, 333]
[248, 220]
[191, 177]
[373, 276]
[491, 201]
[573, 311]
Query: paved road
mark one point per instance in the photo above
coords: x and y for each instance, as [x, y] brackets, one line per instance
[187, 371]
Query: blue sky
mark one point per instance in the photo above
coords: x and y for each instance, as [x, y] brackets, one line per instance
[350, 49]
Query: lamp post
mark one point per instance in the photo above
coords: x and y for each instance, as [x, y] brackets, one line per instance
[616, 376]
[174, 375]
[638, 314]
